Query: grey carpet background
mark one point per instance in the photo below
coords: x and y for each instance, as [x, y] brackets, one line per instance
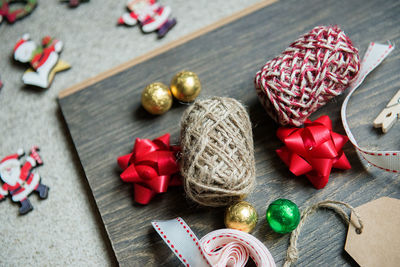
[66, 229]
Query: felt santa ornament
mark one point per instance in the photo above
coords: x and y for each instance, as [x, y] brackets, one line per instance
[19, 181]
[44, 60]
[150, 15]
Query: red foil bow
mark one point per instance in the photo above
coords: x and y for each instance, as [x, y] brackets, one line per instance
[150, 167]
[313, 150]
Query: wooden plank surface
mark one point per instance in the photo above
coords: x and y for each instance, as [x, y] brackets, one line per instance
[105, 117]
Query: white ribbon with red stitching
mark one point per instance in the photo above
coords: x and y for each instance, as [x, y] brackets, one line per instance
[386, 160]
[225, 247]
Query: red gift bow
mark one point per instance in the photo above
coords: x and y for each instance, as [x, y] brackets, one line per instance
[150, 167]
[313, 150]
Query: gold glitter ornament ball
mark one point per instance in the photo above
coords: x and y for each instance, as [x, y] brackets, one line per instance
[185, 86]
[241, 216]
[156, 98]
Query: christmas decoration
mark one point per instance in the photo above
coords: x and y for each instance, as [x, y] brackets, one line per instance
[74, 3]
[385, 160]
[241, 216]
[13, 14]
[217, 162]
[44, 60]
[151, 166]
[19, 181]
[151, 16]
[224, 247]
[1, 84]
[315, 68]
[378, 243]
[389, 115]
[156, 98]
[283, 216]
[313, 150]
[292, 254]
[185, 86]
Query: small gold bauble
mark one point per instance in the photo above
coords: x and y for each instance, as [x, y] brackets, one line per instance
[156, 98]
[185, 86]
[241, 216]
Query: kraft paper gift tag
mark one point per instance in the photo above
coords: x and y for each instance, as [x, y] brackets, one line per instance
[379, 242]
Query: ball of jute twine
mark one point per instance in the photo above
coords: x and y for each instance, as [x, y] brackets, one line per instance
[217, 161]
[315, 68]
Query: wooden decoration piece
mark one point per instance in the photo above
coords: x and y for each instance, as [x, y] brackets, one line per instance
[44, 60]
[150, 15]
[389, 115]
[18, 179]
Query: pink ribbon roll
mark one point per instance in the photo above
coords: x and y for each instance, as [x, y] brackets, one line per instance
[224, 247]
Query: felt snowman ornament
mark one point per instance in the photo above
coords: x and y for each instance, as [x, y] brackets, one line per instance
[19, 181]
[43, 60]
[150, 15]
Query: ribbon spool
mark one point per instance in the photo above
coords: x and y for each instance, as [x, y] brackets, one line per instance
[229, 247]
[220, 248]
[217, 161]
[315, 68]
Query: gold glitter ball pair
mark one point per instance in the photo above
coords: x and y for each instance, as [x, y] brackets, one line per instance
[157, 97]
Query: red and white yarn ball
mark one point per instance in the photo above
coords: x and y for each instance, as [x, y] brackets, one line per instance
[315, 68]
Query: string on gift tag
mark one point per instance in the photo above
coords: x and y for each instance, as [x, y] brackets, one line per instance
[292, 254]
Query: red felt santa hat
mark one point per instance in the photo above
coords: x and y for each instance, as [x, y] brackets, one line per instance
[19, 153]
[24, 39]
[12, 156]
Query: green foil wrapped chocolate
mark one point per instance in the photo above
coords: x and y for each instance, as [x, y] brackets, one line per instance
[283, 216]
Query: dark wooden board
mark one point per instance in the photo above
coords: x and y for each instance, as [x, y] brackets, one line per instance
[105, 117]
